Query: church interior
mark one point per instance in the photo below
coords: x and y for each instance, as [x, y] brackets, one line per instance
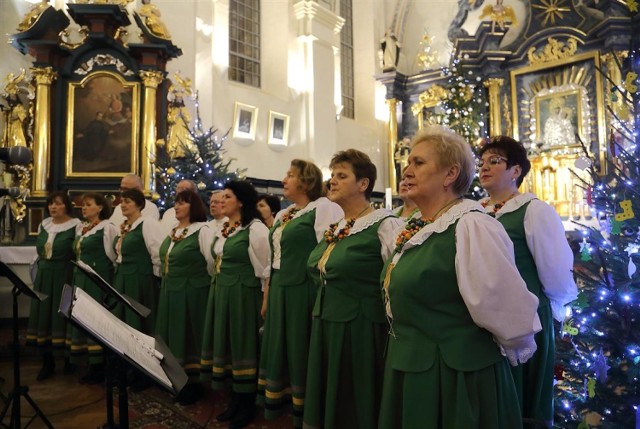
[208, 90]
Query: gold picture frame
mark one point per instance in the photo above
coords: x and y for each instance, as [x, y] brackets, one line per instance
[278, 133]
[574, 81]
[102, 135]
[245, 121]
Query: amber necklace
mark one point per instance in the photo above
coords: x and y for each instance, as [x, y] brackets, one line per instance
[286, 217]
[177, 238]
[414, 225]
[226, 231]
[496, 207]
[330, 236]
[88, 226]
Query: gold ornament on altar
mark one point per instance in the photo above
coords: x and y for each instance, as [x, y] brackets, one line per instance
[500, 15]
[179, 138]
[629, 82]
[117, 2]
[32, 16]
[427, 58]
[171, 171]
[15, 114]
[553, 50]
[150, 16]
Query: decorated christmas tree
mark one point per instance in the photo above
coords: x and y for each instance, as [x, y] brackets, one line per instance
[598, 351]
[464, 110]
[191, 152]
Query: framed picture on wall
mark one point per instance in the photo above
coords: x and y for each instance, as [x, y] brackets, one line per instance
[245, 119]
[102, 126]
[278, 129]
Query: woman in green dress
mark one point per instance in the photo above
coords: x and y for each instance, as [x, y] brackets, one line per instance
[543, 257]
[456, 303]
[93, 246]
[241, 250]
[47, 329]
[289, 297]
[187, 265]
[349, 328]
[137, 261]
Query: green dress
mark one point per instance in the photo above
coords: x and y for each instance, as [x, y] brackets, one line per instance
[136, 258]
[349, 330]
[534, 379]
[183, 296]
[232, 341]
[47, 328]
[287, 326]
[94, 248]
[443, 370]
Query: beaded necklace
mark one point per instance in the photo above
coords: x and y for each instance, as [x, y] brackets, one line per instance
[286, 217]
[180, 237]
[414, 225]
[496, 207]
[86, 226]
[330, 236]
[125, 227]
[226, 231]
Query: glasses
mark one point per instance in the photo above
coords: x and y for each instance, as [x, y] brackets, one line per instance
[494, 160]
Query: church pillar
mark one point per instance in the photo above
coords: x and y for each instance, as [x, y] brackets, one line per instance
[392, 143]
[495, 116]
[318, 31]
[44, 76]
[150, 80]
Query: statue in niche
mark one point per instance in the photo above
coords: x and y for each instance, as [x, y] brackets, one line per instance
[179, 139]
[558, 128]
[32, 15]
[150, 15]
[390, 48]
[499, 14]
[15, 114]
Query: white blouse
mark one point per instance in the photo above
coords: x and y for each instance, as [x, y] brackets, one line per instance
[548, 245]
[205, 239]
[327, 212]
[495, 295]
[259, 251]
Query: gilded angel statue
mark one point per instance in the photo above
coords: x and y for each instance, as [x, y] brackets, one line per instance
[32, 15]
[150, 15]
[499, 14]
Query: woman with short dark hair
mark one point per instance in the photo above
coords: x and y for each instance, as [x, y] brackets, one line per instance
[137, 260]
[187, 265]
[93, 246]
[232, 344]
[268, 206]
[349, 328]
[288, 299]
[544, 260]
[47, 329]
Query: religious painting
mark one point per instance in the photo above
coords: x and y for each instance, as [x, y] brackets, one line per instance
[559, 115]
[102, 126]
[557, 104]
[278, 129]
[245, 119]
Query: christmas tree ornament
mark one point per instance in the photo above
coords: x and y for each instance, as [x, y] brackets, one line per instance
[583, 163]
[585, 250]
[591, 387]
[600, 367]
[627, 211]
[568, 328]
[615, 226]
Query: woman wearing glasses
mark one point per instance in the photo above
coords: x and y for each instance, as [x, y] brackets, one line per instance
[543, 257]
[455, 302]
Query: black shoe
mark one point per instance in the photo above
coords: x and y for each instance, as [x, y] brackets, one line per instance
[190, 394]
[95, 375]
[48, 367]
[231, 410]
[244, 416]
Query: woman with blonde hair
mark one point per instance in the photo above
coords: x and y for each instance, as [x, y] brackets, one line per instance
[289, 297]
[455, 301]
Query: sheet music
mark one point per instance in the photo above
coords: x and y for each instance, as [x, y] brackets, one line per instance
[121, 337]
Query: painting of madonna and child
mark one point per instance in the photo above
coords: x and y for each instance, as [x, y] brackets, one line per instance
[558, 116]
[102, 136]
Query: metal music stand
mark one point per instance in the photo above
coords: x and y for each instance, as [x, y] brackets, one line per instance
[19, 391]
[172, 369]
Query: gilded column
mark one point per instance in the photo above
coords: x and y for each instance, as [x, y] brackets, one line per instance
[393, 142]
[150, 80]
[44, 77]
[495, 117]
